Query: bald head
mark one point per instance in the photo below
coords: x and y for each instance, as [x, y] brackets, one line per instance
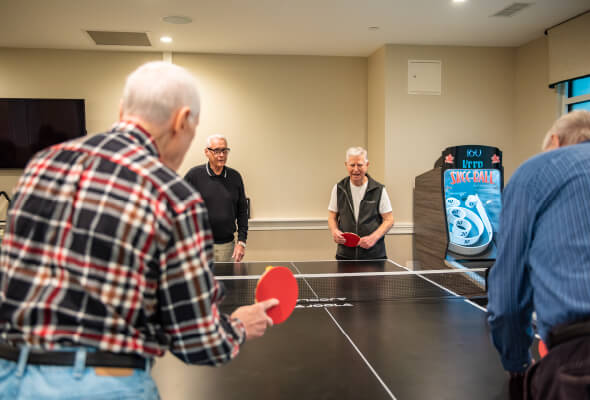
[156, 90]
[571, 128]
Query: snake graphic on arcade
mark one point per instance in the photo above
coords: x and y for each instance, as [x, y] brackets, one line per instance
[470, 230]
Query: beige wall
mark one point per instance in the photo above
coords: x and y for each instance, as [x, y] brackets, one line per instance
[377, 113]
[289, 120]
[476, 107]
[568, 49]
[97, 77]
[536, 105]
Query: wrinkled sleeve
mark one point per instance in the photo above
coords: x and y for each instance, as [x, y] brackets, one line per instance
[509, 291]
[189, 294]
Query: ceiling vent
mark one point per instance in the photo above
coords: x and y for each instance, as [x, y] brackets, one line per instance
[512, 9]
[104, 38]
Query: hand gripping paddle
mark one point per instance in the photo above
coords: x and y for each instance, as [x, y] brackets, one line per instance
[352, 239]
[278, 283]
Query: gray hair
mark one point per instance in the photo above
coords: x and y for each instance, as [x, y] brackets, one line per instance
[571, 128]
[155, 90]
[212, 137]
[356, 151]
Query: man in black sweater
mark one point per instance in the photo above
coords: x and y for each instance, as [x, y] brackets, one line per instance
[222, 189]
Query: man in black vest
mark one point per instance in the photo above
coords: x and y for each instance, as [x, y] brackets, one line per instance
[359, 204]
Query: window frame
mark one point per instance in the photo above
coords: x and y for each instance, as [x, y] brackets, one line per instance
[565, 102]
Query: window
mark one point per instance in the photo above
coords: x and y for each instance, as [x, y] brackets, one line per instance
[580, 87]
[584, 105]
[575, 94]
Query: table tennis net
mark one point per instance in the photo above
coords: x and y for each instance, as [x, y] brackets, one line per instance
[370, 286]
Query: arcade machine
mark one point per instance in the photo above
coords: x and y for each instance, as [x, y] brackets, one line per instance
[457, 208]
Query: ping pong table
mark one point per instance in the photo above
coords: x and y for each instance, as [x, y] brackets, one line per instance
[353, 335]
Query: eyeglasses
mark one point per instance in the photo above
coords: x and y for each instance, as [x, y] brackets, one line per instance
[219, 151]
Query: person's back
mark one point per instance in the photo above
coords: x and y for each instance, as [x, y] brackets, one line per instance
[559, 295]
[554, 190]
[106, 260]
[543, 265]
[108, 193]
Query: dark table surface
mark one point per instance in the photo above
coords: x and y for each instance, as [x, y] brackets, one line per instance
[337, 348]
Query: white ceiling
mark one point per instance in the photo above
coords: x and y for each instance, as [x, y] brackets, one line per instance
[305, 27]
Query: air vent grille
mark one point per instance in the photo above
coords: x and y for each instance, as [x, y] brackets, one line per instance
[104, 38]
[512, 9]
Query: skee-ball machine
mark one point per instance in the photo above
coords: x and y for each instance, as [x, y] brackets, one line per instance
[457, 208]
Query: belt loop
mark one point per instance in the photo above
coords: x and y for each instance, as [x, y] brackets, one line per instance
[23, 357]
[79, 363]
[148, 365]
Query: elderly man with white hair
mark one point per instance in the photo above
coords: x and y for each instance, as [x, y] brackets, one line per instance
[106, 260]
[543, 266]
[222, 189]
[359, 204]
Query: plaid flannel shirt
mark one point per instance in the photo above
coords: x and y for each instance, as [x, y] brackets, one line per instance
[107, 247]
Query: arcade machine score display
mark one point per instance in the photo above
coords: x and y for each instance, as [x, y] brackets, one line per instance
[457, 208]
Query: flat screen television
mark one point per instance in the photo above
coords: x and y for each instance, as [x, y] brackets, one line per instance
[29, 125]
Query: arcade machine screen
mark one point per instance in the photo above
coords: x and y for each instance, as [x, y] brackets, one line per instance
[472, 201]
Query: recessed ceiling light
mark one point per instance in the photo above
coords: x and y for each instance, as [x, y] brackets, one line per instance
[459, 1]
[166, 39]
[177, 19]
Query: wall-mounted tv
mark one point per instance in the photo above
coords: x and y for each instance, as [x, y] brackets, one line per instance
[29, 125]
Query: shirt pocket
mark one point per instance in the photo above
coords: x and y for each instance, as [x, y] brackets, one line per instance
[369, 209]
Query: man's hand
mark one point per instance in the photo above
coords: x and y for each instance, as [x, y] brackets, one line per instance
[254, 317]
[337, 236]
[333, 225]
[239, 252]
[368, 241]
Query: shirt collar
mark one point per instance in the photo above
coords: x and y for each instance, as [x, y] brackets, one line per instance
[211, 173]
[361, 187]
[139, 134]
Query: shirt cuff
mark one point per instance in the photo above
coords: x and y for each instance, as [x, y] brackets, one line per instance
[239, 329]
[516, 365]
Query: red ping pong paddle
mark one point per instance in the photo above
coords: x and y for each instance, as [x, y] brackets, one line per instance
[352, 239]
[278, 283]
[542, 349]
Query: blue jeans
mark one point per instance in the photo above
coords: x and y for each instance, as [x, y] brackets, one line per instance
[22, 381]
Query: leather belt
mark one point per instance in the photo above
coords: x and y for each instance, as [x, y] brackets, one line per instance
[67, 358]
[563, 333]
